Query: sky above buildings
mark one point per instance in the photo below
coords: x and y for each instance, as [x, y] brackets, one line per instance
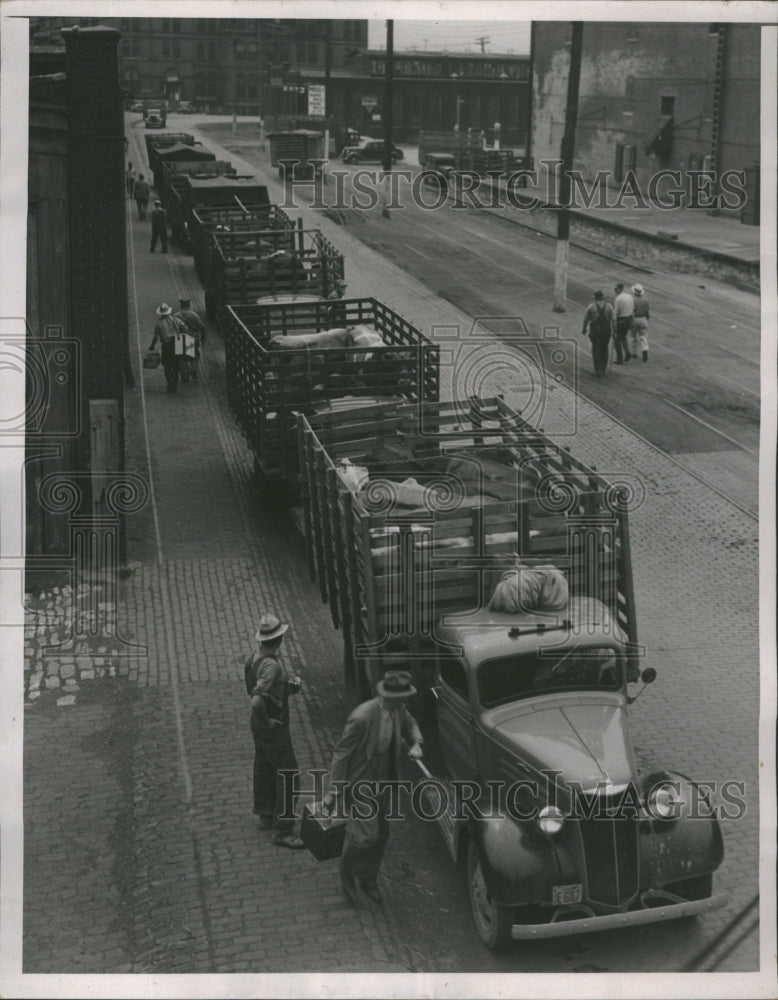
[455, 35]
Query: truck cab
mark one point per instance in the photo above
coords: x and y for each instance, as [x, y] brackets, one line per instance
[567, 834]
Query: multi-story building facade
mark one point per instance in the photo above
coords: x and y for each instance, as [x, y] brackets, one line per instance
[682, 97]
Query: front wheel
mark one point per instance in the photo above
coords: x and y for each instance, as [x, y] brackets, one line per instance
[493, 921]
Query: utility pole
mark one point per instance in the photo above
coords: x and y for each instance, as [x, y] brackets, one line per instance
[388, 108]
[482, 42]
[568, 150]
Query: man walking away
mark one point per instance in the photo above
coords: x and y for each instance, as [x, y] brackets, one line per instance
[141, 191]
[370, 750]
[158, 226]
[193, 325]
[600, 320]
[269, 690]
[624, 308]
[165, 331]
[130, 180]
[640, 323]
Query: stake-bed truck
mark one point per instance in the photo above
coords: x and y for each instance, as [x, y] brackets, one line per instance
[412, 513]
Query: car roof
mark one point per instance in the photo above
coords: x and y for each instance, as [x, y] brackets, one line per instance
[484, 634]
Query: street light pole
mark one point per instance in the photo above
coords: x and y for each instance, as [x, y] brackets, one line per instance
[388, 108]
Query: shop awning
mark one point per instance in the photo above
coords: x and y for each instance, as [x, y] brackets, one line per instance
[660, 139]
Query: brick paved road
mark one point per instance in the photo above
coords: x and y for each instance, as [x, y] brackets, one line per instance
[151, 881]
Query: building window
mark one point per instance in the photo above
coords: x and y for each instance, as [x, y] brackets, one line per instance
[666, 104]
[177, 49]
[211, 52]
[251, 85]
[136, 48]
[212, 85]
[200, 26]
[200, 85]
[240, 85]
[166, 24]
[201, 51]
[176, 25]
[633, 35]
[165, 47]
[313, 52]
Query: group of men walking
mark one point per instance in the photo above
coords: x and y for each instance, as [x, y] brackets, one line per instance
[627, 317]
[138, 188]
[180, 336]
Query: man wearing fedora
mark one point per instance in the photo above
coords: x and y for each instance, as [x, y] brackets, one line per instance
[165, 330]
[269, 690]
[194, 326]
[640, 323]
[377, 734]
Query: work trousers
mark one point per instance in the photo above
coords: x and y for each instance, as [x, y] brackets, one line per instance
[142, 206]
[639, 335]
[364, 846]
[600, 344]
[623, 325]
[158, 232]
[273, 752]
[170, 364]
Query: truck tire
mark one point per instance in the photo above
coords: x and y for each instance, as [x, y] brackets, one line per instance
[493, 921]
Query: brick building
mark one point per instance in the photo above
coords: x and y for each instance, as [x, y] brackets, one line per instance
[77, 327]
[674, 96]
[433, 90]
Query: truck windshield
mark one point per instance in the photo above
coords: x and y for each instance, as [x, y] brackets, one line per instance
[584, 668]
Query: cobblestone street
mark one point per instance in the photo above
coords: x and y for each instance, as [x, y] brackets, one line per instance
[141, 851]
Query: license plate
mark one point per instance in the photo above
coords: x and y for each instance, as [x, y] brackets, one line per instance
[561, 894]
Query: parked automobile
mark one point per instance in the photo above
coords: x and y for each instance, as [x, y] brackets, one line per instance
[154, 119]
[371, 151]
[186, 108]
[137, 106]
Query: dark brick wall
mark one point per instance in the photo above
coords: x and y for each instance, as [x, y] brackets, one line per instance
[98, 271]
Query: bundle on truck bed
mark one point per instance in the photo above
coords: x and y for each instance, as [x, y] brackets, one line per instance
[206, 220]
[174, 187]
[413, 512]
[180, 154]
[249, 265]
[268, 384]
[164, 140]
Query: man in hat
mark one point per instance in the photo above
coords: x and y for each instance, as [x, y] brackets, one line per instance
[269, 690]
[193, 325]
[640, 323]
[165, 331]
[377, 734]
[600, 320]
[158, 226]
[141, 192]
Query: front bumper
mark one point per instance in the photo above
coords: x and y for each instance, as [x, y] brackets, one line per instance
[610, 921]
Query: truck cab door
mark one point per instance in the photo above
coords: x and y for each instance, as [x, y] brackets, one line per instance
[456, 724]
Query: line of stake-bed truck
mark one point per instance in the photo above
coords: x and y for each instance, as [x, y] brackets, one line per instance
[412, 510]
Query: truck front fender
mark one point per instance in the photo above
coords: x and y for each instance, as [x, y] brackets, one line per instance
[672, 850]
[520, 864]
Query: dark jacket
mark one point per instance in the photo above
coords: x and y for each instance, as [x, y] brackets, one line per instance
[356, 756]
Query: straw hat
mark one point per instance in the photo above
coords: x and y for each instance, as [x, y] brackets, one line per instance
[270, 627]
[164, 310]
[396, 684]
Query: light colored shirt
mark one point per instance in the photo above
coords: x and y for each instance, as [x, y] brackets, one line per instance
[624, 304]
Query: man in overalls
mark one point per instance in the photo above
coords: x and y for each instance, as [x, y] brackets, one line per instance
[269, 690]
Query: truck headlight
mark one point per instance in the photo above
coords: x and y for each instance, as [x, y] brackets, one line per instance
[664, 801]
[550, 819]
